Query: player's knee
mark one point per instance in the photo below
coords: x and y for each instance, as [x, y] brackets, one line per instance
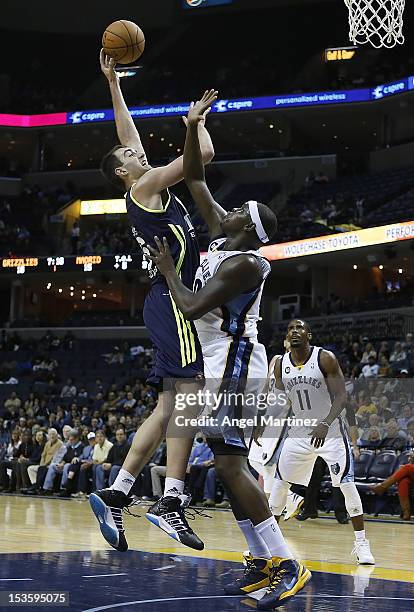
[353, 501]
[278, 496]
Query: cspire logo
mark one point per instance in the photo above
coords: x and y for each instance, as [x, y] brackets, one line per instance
[221, 106]
[388, 90]
[76, 117]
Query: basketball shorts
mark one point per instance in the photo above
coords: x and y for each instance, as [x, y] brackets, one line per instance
[235, 372]
[267, 472]
[297, 457]
[177, 348]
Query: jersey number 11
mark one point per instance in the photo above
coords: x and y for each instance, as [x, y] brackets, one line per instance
[307, 399]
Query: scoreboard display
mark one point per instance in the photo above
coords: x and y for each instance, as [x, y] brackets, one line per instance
[73, 263]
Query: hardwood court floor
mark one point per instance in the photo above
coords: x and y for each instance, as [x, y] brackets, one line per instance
[55, 540]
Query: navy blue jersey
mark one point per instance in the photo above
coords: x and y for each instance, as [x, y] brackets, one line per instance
[172, 222]
[177, 348]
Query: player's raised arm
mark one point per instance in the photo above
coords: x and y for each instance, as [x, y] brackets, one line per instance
[157, 180]
[233, 277]
[126, 129]
[194, 174]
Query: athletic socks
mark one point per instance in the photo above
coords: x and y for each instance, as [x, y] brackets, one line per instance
[257, 545]
[123, 482]
[270, 532]
[359, 535]
[173, 487]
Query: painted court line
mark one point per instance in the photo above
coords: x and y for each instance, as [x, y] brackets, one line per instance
[105, 575]
[15, 579]
[321, 596]
[161, 569]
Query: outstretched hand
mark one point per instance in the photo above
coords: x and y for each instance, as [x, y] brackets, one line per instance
[108, 67]
[161, 256]
[200, 109]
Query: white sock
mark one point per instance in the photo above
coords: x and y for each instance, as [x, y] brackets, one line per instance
[173, 486]
[360, 535]
[123, 482]
[255, 542]
[270, 532]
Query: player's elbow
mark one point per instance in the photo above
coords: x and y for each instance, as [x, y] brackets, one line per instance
[208, 155]
[192, 313]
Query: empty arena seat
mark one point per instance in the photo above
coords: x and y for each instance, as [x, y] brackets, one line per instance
[382, 466]
[404, 457]
[362, 464]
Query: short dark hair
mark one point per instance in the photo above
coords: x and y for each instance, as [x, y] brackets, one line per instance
[108, 165]
[268, 219]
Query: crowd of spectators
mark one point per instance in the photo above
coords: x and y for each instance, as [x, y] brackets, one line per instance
[70, 436]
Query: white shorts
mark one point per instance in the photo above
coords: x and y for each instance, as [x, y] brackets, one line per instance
[235, 370]
[297, 458]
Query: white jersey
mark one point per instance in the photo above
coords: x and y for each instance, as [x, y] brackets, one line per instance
[307, 391]
[239, 316]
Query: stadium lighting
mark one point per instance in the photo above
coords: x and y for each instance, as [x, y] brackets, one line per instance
[94, 295]
[83, 297]
[72, 288]
[49, 285]
[400, 270]
[381, 267]
[60, 290]
[355, 267]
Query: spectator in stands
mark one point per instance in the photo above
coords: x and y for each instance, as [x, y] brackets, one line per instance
[398, 357]
[210, 487]
[23, 462]
[79, 463]
[408, 345]
[69, 390]
[393, 437]
[114, 461]
[371, 369]
[404, 479]
[116, 357]
[99, 456]
[73, 448]
[359, 205]
[373, 440]
[405, 417]
[13, 403]
[201, 459]
[368, 352]
[11, 452]
[384, 367]
[37, 473]
[129, 403]
[24, 451]
[367, 406]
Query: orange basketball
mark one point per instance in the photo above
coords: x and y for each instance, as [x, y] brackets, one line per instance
[124, 41]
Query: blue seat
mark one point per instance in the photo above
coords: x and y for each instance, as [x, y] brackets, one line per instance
[362, 464]
[382, 466]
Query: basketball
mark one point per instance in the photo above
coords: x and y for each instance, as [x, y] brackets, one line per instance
[124, 41]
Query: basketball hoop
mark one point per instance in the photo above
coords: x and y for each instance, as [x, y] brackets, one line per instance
[378, 22]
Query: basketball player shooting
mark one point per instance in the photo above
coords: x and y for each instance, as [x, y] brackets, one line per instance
[314, 384]
[225, 305]
[153, 209]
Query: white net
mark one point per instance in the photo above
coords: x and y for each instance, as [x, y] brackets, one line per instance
[378, 22]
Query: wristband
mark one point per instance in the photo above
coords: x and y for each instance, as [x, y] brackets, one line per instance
[324, 423]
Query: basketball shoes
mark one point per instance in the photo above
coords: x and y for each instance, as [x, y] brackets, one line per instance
[287, 577]
[362, 552]
[168, 513]
[256, 576]
[294, 504]
[108, 506]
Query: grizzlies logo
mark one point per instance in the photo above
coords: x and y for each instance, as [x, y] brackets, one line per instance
[335, 468]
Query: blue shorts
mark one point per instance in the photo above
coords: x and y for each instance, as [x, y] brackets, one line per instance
[177, 348]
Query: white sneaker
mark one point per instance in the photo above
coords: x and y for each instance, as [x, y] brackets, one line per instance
[363, 552]
[294, 503]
